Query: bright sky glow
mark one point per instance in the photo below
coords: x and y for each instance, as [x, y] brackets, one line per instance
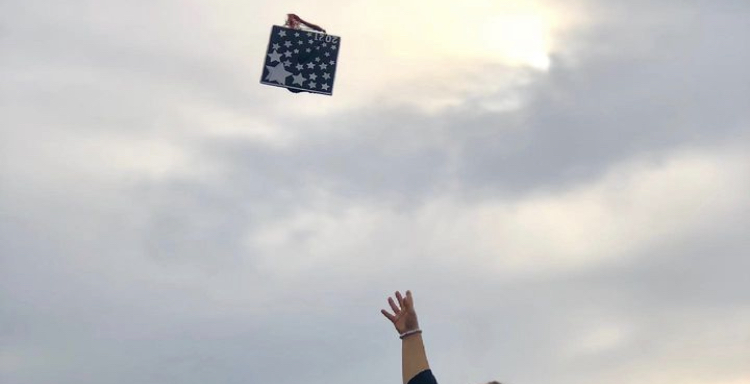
[510, 32]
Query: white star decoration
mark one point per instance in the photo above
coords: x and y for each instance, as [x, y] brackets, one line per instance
[298, 79]
[323, 66]
[310, 65]
[287, 43]
[276, 46]
[312, 85]
[325, 87]
[326, 76]
[300, 67]
[313, 76]
[277, 73]
[275, 56]
[282, 33]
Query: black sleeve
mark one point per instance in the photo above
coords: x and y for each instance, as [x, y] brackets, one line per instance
[424, 377]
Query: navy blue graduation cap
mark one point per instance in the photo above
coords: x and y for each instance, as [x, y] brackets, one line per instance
[301, 60]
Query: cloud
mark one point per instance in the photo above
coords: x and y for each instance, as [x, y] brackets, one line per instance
[636, 206]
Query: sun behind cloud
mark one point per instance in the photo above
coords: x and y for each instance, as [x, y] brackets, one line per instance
[508, 32]
[434, 55]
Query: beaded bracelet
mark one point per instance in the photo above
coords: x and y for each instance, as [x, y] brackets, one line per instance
[409, 333]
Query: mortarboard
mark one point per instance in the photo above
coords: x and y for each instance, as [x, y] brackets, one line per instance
[301, 60]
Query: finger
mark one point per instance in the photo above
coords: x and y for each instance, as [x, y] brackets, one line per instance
[400, 299]
[388, 315]
[395, 309]
[409, 300]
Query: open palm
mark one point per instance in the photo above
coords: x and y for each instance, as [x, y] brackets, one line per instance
[404, 317]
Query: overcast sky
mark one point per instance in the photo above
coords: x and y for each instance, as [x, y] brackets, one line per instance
[565, 187]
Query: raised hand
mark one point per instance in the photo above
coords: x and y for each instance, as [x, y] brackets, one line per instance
[404, 317]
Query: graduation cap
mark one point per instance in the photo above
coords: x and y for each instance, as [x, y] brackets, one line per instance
[301, 60]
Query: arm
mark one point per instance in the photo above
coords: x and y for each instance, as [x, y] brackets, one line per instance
[413, 355]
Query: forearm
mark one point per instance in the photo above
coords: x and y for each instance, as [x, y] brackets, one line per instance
[413, 357]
